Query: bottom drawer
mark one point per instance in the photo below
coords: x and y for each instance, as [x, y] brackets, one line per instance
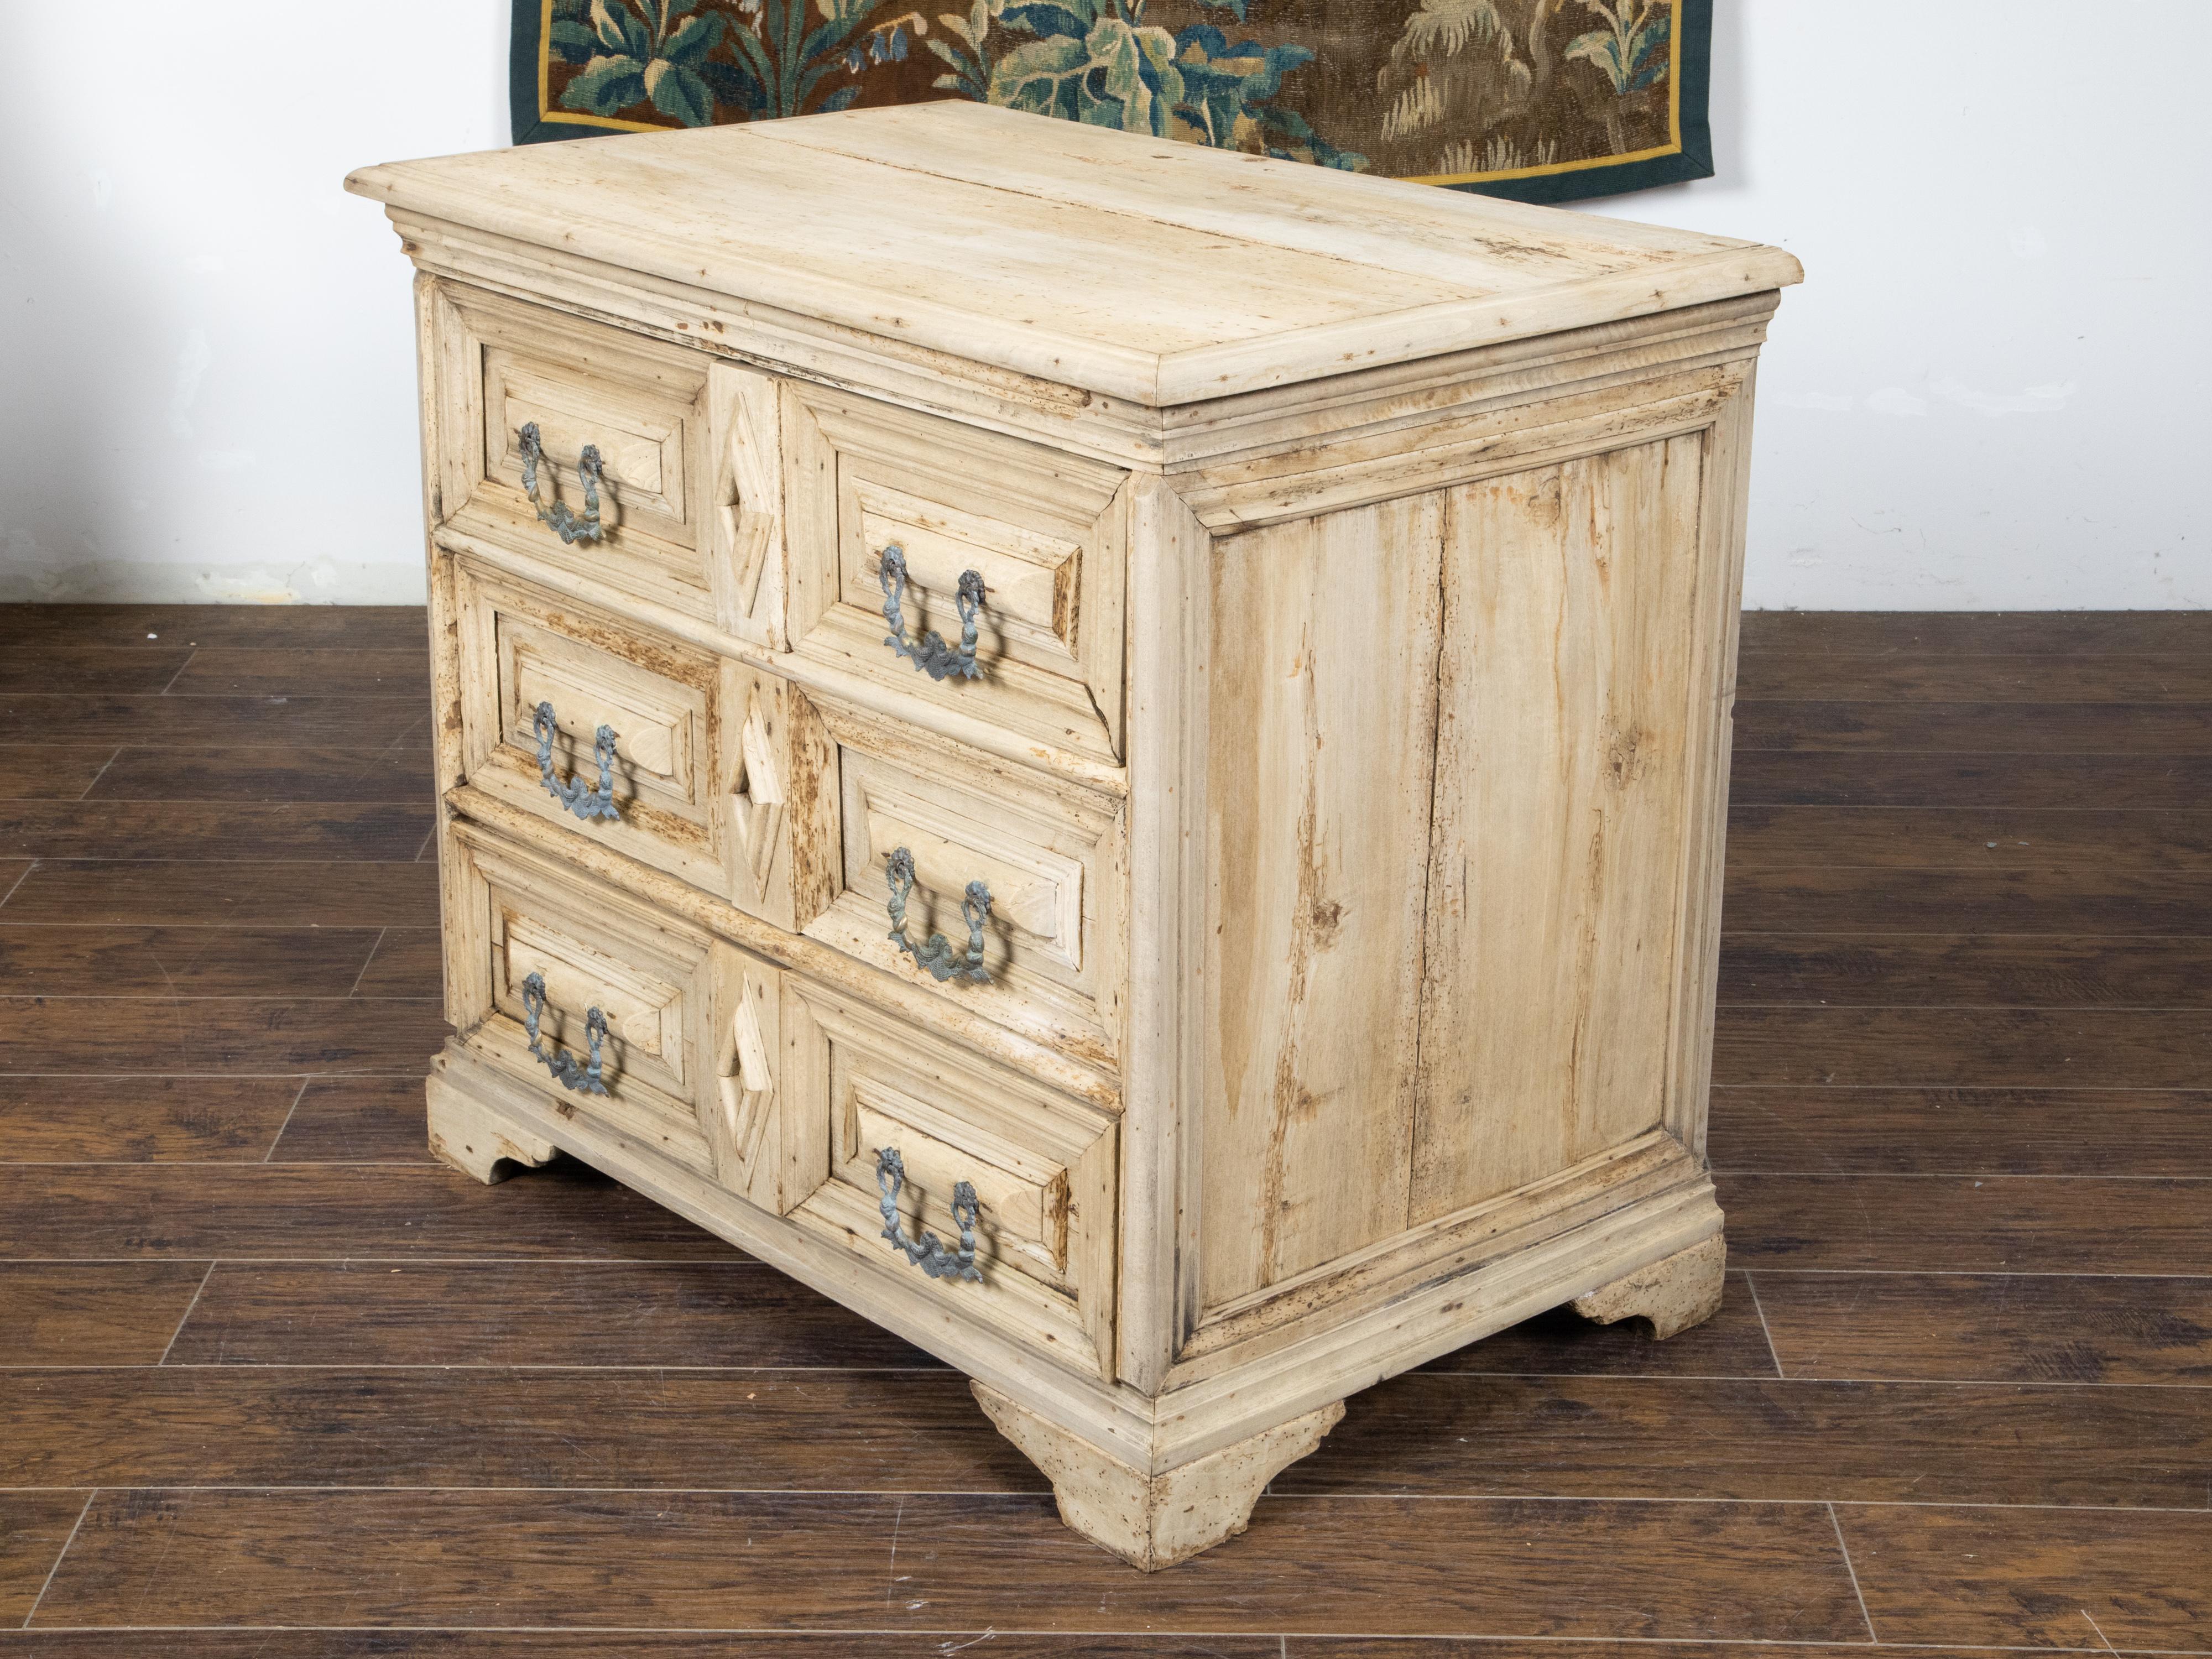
[785, 1093]
[857, 1083]
[681, 1057]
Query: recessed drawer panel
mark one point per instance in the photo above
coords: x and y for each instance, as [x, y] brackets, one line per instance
[1042, 532]
[676, 1014]
[1043, 955]
[858, 1083]
[687, 472]
[696, 765]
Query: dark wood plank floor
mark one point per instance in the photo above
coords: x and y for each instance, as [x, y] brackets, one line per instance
[274, 1383]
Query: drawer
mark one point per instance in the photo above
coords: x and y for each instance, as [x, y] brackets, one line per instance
[686, 1052]
[1045, 533]
[690, 466]
[856, 1081]
[1050, 856]
[698, 781]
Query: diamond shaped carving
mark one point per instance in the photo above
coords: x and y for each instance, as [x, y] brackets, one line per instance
[758, 799]
[747, 1084]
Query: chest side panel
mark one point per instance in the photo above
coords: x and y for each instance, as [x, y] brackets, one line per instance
[1449, 803]
[1558, 850]
[1323, 727]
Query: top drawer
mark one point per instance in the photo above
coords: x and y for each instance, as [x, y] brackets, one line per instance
[1042, 532]
[689, 500]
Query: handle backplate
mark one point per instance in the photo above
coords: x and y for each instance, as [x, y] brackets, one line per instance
[570, 1073]
[937, 955]
[928, 1252]
[589, 467]
[579, 797]
[931, 655]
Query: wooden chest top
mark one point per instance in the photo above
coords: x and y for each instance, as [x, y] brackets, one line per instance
[1148, 270]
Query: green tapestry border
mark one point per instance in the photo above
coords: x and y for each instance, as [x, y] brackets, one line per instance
[1692, 156]
[1688, 156]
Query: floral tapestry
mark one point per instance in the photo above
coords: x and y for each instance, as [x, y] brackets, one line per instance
[1540, 100]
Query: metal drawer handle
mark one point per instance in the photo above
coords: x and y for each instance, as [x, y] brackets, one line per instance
[571, 1075]
[565, 525]
[933, 656]
[929, 1253]
[937, 956]
[576, 795]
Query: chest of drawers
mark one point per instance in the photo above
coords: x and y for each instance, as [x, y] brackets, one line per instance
[1111, 753]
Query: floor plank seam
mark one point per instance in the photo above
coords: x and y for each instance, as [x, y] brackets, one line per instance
[1042, 1494]
[39, 1601]
[102, 773]
[290, 1111]
[18, 882]
[1400, 1641]
[1773, 1353]
[166, 690]
[1836, 1521]
[685, 1368]
[1977, 1176]
[184, 1317]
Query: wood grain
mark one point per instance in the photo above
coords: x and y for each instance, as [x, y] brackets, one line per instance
[37, 771]
[1967, 970]
[312, 831]
[539, 1643]
[1302, 278]
[109, 1119]
[1732, 1343]
[1978, 634]
[2040, 1578]
[182, 963]
[721, 1313]
[59, 668]
[160, 628]
[1986, 728]
[61, 717]
[433, 1427]
[1912, 675]
[205, 895]
[1336, 1647]
[406, 963]
[34, 1527]
[765, 1561]
[107, 1313]
[2088, 844]
[1776, 777]
[1562, 822]
[1952, 1224]
[219, 1034]
[398, 771]
[264, 671]
[1972, 1131]
[356, 1120]
[1319, 789]
[1872, 902]
[1950, 1047]
[1756, 1439]
[1991, 1328]
[306, 1213]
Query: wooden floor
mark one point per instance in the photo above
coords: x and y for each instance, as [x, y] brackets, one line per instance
[267, 1365]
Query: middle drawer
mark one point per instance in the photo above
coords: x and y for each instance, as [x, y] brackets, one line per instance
[691, 775]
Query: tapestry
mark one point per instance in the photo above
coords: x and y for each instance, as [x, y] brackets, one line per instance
[1542, 100]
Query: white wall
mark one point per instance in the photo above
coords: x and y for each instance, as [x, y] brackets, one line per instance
[1994, 391]
[207, 382]
[1992, 394]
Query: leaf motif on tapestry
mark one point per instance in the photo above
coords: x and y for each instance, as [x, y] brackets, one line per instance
[1542, 99]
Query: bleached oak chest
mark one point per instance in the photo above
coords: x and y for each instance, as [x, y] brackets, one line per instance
[1109, 752]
